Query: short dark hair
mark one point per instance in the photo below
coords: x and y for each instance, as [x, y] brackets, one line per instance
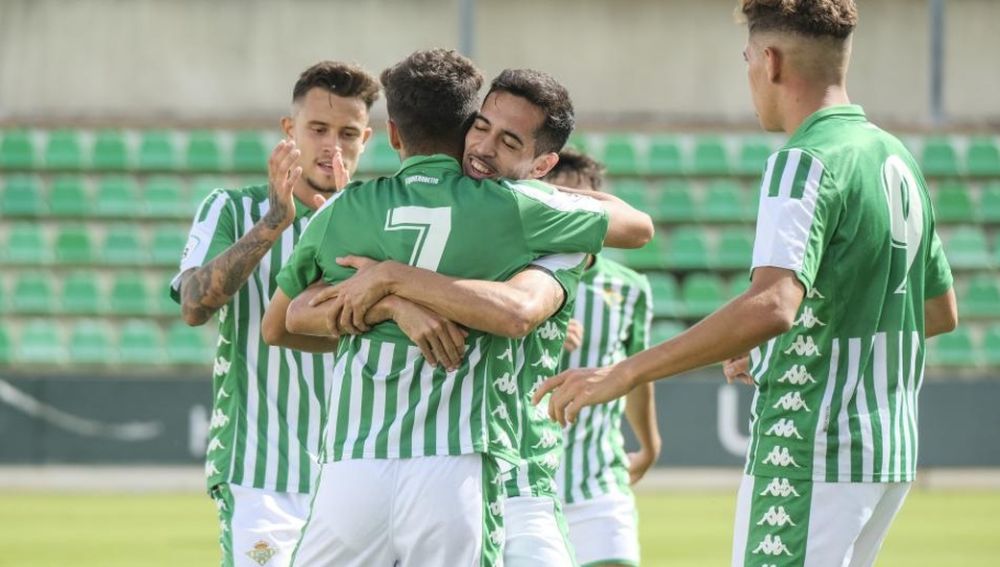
[341, 79]
[812, 18]
[585, 167]
[431, 96]
[543, 91]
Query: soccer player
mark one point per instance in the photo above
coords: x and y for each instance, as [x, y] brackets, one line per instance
[410, 468]
[268, 402]
[614, 304]
[848, 280]
[525, 119]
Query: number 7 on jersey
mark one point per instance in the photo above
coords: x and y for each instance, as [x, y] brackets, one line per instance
[433, 225]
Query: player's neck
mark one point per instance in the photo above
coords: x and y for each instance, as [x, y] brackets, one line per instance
[308, 196]
[802, 104]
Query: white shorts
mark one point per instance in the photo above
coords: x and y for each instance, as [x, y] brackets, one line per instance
[604, 529]
[405, 512]
[258, 526]
[536, 533]
[813, 524]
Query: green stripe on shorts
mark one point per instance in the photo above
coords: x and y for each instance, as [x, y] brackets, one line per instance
[224, 503]
[493, 530]
[779, 522]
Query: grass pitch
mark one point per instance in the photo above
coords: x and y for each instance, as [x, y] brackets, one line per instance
[677, 529]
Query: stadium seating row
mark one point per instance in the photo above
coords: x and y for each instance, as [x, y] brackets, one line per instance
[77, 244]
[136, 343]
[88, 293]
[247, 150]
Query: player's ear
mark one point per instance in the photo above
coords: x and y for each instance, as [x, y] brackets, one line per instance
[543, 164]
[287, 124]
[394, 140]
[773, 60]
[366, 135]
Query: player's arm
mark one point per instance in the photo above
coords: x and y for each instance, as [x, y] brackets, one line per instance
[275, 333]
[206, 288]
[640, 403]
[628, 227]
[940, 314]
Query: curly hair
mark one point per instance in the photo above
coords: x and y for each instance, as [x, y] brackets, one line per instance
[543, 91]
[813, 18]
[341, 79]
[431, 96]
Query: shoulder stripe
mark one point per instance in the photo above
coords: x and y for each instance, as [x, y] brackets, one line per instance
[555, 199]
[557, 262]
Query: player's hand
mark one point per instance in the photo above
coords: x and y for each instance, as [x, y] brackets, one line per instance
[439, 340]
[355, 296]
[639, 462]
[283, 173]
[738, 370]
[576, 389]
[574, 335]
[341, 177]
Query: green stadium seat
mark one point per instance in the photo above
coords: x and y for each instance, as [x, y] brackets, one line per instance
[953, 203]
[90, 343]
[634, 193]
[953, 349]
[68, 197]
[164, 197]
[129, 296]
[168, 244]
[81, 295]
[966, 248]
[738, 284]
[26, 244]
[620, 155]
[117, 196]
[996, 249]
[725, 201]
[3, 298]
[17, 150]
[32, 294]
[110, 151]
[702, 294]
[981, 297]
[673, 202]
[123, 245]
[156, 151]
[710, 157]
[62, 151]
[939, 158]
[5, 347]
[688, 248]
[664, 330]
[649, 257]
[22, 196]
[41, 342]
[991, 346]
[665, 156]
[74, 245]
[140, 343]
[249, 152]
[735, 250]
[754, 154]
[203, 152]
[187, 345]
[666, 298]
[163, 304]
[983, 157]
[989, 203]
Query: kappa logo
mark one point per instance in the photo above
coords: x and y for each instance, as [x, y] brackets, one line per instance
[220, 505]
[780, 457]
[504, 440]
[784, 428]
[549, 331]
[550, 461]
[223, 313]
[210, 469]
[496, 507]
[772, 545]
[507, 355]
[541, 411]
[803, 346]
[219, 419]
[808, 319]
[776, 516]
[792, 401]
[497, 536]
[223, 341]
[547, 441]
[223, 527]
[501, 412]
[779, 487]
[546, 361]
[814, 294]
[222, 394]
[215, 445]
[221, 366]
[506, 383]
[262, 552]
[797, 376]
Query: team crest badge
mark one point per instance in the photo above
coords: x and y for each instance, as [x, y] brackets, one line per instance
[612, 297]
[262, 552]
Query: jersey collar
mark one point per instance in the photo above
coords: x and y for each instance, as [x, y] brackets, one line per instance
[843, 110]
[435, 161]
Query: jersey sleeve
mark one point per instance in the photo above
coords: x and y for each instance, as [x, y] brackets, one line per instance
[566, 269]
[212, 232]
[642, 320]
[937, 272]
[554, 222]
[800, 206]
[303, 266]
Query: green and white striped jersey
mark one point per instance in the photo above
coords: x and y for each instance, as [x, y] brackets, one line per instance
[845, 207]
[614, 304]
[385, 401]
[536, 360]
[269, 402]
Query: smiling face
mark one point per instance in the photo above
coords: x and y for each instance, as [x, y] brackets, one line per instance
[501, 141]
[321, 123]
